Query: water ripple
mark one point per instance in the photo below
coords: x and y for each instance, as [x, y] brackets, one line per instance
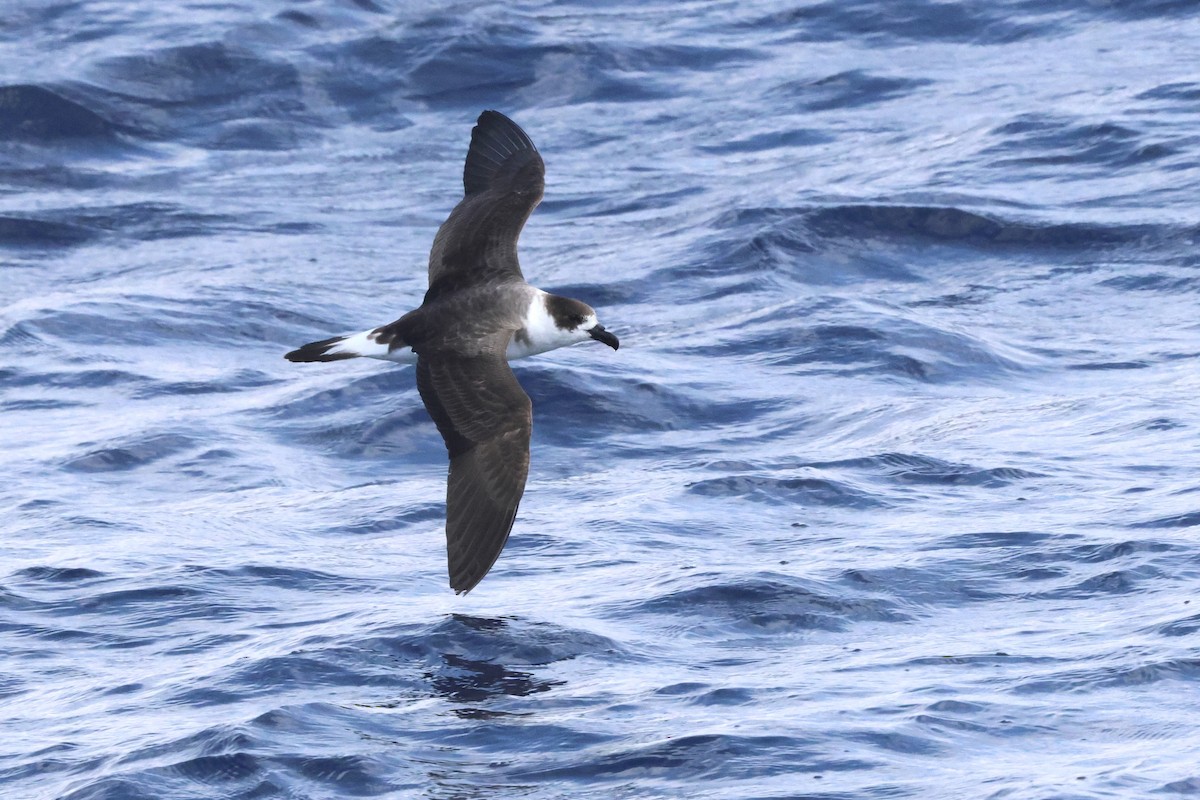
[891, 483]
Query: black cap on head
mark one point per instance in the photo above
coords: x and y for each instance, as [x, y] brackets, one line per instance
[568, 314]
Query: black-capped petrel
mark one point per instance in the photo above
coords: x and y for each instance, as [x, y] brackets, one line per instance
[478, 314]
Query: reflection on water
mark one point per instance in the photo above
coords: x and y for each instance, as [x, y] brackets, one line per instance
[469, 681]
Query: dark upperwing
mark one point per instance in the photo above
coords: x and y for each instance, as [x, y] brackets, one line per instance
[504, 178]
[485, 419]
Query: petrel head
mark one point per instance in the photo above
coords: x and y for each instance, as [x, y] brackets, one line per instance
[578, 320]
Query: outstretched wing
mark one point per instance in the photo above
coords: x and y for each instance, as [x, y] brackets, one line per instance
[486, 420]
[504, 178]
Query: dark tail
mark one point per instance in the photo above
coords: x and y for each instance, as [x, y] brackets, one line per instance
[319, 351]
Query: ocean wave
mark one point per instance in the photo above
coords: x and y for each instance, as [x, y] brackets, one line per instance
[895, 462]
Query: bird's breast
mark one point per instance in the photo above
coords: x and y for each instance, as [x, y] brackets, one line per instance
[522, 344]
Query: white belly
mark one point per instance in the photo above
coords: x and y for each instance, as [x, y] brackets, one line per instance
[517, 349]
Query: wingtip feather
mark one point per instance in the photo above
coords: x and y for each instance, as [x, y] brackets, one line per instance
[496, 141]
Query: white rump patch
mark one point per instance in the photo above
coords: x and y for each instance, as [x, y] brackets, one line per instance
[364, 344]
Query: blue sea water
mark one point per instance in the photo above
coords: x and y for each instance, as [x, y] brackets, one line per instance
[892, 491]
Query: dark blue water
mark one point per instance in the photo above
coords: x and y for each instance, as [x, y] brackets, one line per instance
[892, 491]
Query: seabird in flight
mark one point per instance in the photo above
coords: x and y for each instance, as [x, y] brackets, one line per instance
[478, 314]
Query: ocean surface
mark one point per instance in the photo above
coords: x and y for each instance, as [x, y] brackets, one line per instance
[892, 490]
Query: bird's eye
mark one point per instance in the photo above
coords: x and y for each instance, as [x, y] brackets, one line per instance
[578, 319]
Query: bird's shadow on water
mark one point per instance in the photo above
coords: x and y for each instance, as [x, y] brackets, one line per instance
[481, 668]
[470, 680]
[475, 662]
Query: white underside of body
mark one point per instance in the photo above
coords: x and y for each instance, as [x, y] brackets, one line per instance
[364, 344]
[540, 334]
